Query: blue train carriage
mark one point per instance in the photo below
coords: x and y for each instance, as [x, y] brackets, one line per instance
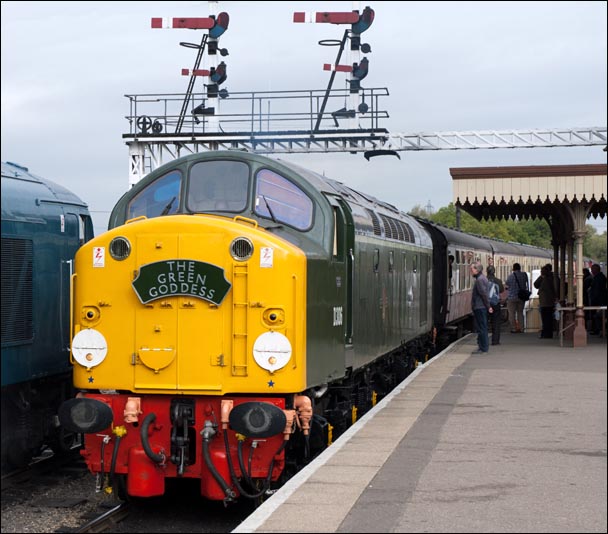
[43, 224]
[233, 295]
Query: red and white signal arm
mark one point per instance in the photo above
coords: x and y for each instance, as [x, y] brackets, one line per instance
[337, 68]
[335, 17]
[189, 23]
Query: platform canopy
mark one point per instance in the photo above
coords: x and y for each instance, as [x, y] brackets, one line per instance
[529, 192]
[563, 195]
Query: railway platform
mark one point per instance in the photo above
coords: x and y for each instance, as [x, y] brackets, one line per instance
[511, 441]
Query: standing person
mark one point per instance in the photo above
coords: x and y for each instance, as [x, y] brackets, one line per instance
[481, 307]
[587, 279]
[546, 296]
[515, 281]
[495, 318]
[597, 297]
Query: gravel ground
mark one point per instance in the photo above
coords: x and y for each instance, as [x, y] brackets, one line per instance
[46, 505]
[49, 508]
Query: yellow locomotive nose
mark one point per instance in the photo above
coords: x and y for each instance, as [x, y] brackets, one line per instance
[191, 304]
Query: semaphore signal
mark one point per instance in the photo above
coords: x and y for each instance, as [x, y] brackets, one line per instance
[216, 74]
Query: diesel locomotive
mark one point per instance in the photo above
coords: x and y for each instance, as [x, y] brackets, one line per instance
[241, 312]
[43, 224]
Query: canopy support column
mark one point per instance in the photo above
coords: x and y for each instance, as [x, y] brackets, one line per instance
[579, 212]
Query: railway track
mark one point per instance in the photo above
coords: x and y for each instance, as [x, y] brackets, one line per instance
[107, 520]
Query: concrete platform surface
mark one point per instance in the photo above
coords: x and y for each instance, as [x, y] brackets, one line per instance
[511, 441]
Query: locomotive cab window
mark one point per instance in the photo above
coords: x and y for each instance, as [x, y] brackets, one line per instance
[159, 198]
[218, 186]
[282, 201]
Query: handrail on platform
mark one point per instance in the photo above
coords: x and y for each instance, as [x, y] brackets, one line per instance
[563, 328]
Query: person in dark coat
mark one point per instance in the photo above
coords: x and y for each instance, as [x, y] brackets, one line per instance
[495, 316]
[517, 280]
[598, 296]
[587, 279]
[546, 296]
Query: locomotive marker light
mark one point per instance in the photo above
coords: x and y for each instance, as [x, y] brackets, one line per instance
[272, 351]
[181, 277]
[89, 348]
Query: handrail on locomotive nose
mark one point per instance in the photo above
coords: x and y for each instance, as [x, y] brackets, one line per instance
[253, 222]
[139, 218]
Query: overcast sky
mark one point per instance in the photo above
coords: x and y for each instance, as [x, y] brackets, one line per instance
[449, 66]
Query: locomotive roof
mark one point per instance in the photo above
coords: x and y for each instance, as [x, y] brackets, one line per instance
[458, 237]
[23, 191]
[415, 232]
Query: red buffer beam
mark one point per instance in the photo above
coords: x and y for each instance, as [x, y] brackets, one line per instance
[189, 23]
[348, 17]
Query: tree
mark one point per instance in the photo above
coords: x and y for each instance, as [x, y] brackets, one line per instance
[530, 231]
[594, 246]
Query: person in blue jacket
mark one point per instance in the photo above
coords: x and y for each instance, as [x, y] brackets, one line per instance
[481, 307]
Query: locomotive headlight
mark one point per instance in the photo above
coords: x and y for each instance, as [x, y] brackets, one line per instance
[89, 347]
[272, 351]
[274, 317]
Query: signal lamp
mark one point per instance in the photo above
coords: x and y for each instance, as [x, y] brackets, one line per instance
[220, 26]
[365, 20]
[202, 110]
[360, 70]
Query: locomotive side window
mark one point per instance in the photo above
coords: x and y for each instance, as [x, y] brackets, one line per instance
[376, 260]
[218, 186]
[282, 201]
[159, 198]
[335, 247]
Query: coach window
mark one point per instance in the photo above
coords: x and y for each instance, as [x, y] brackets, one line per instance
[282, 201]
[161, 197]
[218, 185]
[391, 261]
[376, 260]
